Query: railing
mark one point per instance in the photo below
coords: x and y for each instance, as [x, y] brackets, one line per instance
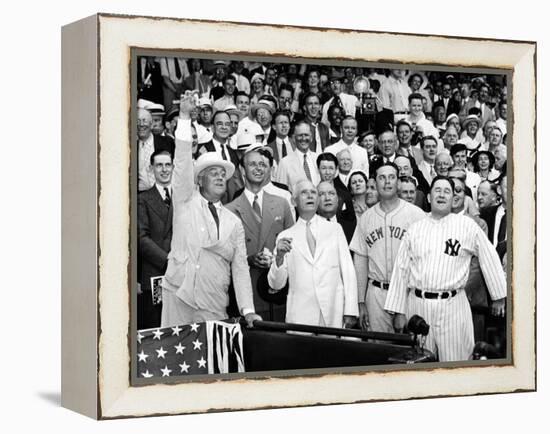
[399, 339]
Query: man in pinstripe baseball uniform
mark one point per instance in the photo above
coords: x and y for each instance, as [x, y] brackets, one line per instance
[431, 271]
[375, 244]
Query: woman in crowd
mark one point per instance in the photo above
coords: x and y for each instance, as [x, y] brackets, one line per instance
[363, 192]
[484, 162]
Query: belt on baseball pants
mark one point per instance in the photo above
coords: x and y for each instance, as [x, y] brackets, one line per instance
[380, 284]
[435, 295]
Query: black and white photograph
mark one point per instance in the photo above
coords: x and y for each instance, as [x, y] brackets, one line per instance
[301, 216]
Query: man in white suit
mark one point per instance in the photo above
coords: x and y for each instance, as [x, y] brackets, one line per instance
[313, 256]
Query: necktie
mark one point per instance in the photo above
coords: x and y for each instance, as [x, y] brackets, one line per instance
[502, 229]
[214, 212]
[283, 147]
[310, 239]
[224, 155]
[256, 208]
[178, 70]
[167, 199]
[337, 102]
[313, 146]
[432, 171]
[306, 168]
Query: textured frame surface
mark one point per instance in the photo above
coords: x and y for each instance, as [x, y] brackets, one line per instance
[116, 37]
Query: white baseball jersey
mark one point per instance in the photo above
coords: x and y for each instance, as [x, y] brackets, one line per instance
[435, 256]
[379, 234]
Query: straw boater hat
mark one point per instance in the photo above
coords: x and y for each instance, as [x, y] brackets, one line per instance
[245, 140]
[266, 101]
[213, 159]
[232, 109]
[156, 109]
[204, 102]
[471, 118]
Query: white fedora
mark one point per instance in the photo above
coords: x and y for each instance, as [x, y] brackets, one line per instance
[213, 159]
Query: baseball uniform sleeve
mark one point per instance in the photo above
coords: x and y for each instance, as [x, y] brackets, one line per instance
[396, 301]
[490, 265]
[358, 244]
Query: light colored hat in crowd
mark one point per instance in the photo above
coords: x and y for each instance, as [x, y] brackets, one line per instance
[156, 109]
[232, 109]
[257, 76]
[204, 102]
[219, 63]
[471, 118]
[254, 128]
[245, 141]
[256, 146]
[213, 159]
[452, 116]
[265, 101]
[144, 103]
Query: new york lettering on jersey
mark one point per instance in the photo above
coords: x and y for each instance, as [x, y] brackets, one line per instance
[378, 234]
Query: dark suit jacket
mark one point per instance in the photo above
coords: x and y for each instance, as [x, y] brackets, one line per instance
[236, 182]
[323, 134]
[489, 214]
[273, 145]
[345, 214]
[153, 92]
[154, 235]
[276, 216]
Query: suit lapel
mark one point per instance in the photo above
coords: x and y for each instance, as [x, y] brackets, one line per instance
[268, 218]
[158, 205]
[245, 213]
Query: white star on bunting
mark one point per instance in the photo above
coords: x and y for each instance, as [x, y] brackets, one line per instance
[194, 327]
[161, 353]
[142, 357]
[176, 331]
[197, 345]
[157, 334]
[139, 337]
[185, 367]
[201, 362]
[166, 371]
[146, 374]
[179, 348]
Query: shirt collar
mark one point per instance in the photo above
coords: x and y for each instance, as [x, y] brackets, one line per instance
[217, 204]
[250, 196]
[160, 189]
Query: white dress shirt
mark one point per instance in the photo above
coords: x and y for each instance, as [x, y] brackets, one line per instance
[146, 179]
[359, 155]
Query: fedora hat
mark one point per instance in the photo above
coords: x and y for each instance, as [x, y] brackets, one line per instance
[213, 159]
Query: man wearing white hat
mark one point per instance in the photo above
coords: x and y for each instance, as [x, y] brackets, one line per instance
[221, 130]
[208, 244]
[263, 112]
[203, 124]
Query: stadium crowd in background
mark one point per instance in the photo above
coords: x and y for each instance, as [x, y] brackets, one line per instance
[306, 148]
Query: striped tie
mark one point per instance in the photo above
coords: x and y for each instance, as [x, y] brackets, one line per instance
[306, 168]
[310, 238]
[256, 208]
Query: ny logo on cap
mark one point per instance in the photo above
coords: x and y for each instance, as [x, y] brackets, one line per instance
[452, 247]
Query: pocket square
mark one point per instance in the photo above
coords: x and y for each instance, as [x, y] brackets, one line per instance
[278, 218]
